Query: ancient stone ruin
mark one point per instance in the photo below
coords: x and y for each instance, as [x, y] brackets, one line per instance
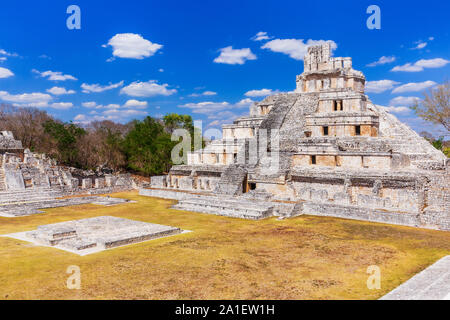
[92, 235]
[324, 149]
[31, 181]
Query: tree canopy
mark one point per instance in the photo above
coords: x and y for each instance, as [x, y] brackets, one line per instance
[435, 107]
[143, 146]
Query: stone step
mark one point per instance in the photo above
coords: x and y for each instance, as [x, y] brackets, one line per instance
[34, 207]
[236, 208]
[22, 198]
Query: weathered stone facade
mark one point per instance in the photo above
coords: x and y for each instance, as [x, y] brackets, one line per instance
[24, 170]
[325, 148]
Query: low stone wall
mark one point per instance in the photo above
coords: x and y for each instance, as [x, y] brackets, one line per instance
[429, 220]
[167, 194]
[436, 219]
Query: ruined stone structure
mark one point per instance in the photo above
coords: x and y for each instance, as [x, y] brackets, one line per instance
[96, 234]
[324, 149]
[22, 170]
[31, 181]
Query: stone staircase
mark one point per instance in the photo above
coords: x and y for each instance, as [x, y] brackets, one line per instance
[239, 207]
[28, 195]
[229, 207]
[35, 206]
[231, 181]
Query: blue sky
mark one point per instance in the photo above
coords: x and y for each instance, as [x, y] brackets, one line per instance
[136, 58]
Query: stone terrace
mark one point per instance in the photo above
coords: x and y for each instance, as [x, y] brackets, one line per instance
[95, 234]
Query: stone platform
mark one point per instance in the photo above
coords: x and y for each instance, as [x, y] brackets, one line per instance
[33, 206]
[224, 205]
[227, 207]
[93, 235]
[433, 283]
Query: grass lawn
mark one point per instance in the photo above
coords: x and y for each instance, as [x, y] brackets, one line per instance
[223, 258]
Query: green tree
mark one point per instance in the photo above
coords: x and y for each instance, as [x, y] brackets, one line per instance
[173, 121]
[66, 136]
[148, 146]
[438, 144]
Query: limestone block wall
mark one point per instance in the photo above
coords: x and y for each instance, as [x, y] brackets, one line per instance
[13, 177]
[438, 193]
[100, 183]
[364, 194]
[308, 190]
[158, 181]
[342, 124]
[238, 132]
[86, 183]
[379, 161]
[199, 183]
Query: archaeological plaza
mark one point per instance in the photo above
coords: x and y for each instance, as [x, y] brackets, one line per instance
[313, 185]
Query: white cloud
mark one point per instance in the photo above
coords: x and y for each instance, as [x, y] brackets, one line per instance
[403, 101]
[35, 99]
[228, 55]
[147, 89]
[88, 88]
[135, 104]
[260, 93]
[161, 70]
[8, 54]
[294, 48]
[260, 36]
[205, 93]
[119, 113]
[129, 105]
[80, 117]
[421, 65]
[2, 59]
[400, 110]
[57, 91]
[112, 115]
[132, 46]
[61, 105]
[90, 104]
[214, 109]
[54, 76]
[382, 60]
[414, 86]
[5, 73]
[421, 45]
[380, 85]
[94, 105]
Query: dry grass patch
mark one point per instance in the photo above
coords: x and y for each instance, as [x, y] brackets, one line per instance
[223, 258]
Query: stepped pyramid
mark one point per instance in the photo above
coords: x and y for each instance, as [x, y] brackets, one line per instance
[324, 149]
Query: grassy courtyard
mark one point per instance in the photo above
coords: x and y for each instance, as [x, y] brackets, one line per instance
[223, 258]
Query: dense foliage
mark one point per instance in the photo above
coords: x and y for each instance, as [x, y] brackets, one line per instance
[141, 146]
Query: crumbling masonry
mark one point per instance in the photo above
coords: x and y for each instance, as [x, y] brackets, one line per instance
[324, 149]
[31, 181]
